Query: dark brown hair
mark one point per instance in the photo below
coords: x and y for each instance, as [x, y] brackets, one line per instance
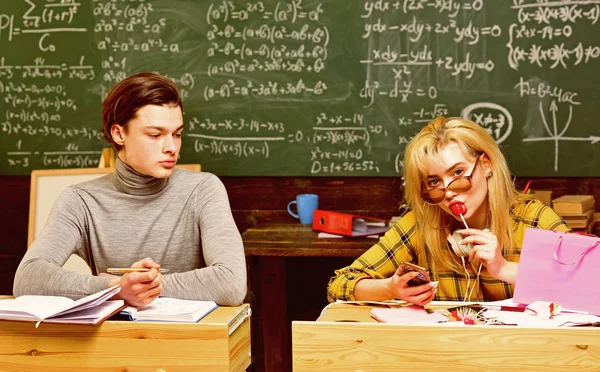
[132, 93]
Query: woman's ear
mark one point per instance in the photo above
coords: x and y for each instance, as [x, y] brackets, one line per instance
[118, 134]
[487, 165]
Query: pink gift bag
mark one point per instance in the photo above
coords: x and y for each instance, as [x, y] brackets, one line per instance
[559, 267]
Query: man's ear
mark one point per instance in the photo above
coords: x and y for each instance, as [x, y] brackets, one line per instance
[118, 134]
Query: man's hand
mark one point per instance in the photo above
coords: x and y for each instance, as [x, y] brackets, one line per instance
[139, 289]
[146, 263]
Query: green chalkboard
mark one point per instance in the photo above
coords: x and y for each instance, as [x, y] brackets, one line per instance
[306, 88]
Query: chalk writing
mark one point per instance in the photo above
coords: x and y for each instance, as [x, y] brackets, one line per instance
[307, 88]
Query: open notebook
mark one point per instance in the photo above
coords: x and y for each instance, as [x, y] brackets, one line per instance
[165, 309]
[91, 310]
[414, 315]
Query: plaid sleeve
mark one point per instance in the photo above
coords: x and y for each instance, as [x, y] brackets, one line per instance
[550, 220]
[535, 214]
[379, 262]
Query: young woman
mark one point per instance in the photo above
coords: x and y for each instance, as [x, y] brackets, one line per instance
[146, 214]
[457, 180]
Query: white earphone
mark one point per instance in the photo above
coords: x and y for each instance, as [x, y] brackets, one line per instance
[461, 250]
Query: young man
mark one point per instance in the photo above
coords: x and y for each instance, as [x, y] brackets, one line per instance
[146, 214]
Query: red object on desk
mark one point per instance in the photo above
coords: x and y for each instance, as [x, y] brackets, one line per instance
[348, 224]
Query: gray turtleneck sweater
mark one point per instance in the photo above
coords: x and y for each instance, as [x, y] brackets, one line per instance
[182, 222]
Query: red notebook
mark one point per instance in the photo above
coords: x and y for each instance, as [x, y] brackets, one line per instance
[348, 224]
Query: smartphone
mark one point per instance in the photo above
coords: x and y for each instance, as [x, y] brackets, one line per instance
[420, 279]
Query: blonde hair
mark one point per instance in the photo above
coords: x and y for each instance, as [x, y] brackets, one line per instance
[473, 140]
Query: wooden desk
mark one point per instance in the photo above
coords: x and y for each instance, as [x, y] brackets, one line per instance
[267, 248]
[219, 342]
[333, 344]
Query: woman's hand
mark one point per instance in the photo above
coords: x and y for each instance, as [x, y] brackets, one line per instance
[418, 295]
[487, 251]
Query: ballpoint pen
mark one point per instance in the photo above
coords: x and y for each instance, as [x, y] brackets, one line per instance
[124, 270]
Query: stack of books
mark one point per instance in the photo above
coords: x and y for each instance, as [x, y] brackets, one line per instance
[545, 196]
[577, 211]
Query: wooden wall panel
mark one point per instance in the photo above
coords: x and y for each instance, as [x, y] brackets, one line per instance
[265, 199]
[14, 212]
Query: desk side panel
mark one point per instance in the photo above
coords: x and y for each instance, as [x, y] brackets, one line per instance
[115, 346]
[239, 347]
[328, 346]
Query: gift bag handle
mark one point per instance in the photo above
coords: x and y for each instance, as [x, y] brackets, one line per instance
[559, 243]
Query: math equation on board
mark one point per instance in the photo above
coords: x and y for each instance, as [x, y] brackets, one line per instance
[306, 87]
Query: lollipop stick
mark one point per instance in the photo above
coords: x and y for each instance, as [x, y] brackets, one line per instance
[463, 220]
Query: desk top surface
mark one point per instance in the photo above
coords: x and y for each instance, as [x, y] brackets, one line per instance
[362, 313]
[229, 316]
[348, 313]
[297, 240]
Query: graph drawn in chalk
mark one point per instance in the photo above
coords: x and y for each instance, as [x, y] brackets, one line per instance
[553, 133]
[496, 119]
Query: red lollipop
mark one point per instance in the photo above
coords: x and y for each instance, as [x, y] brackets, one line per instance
[458, 208]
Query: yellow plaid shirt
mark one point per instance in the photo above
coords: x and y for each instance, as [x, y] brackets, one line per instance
[399, 244]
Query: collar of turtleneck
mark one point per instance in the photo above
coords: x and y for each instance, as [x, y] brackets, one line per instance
[129, 181]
